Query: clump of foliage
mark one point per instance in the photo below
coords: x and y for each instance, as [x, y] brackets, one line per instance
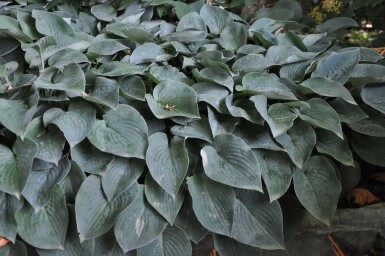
[128, 134]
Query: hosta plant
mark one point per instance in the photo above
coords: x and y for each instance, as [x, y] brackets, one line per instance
[128, 130]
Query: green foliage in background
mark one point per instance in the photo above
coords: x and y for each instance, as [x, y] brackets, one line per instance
[132, 128]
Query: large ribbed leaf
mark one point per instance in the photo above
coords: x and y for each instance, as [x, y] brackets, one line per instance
[106, 245]
[149, 52]
[331, 144]
[199, 129]
[288, 54]
[172, 242]
[122, 132]
[51, 24]
[89, 158]
[348, 113]
[94, 213]
[12, 116]
[76, 123]
[371, 149]
[213, 204]
[338, 66]
[50, 142]
[191, 21]
[367, 74]
[233, 36]
[213, 94]
[72, 244]
[120, 174]
[105, 92]
[163, 202]
[227, 246]
[298, 142]
[265, 84]
[72, 79]
[243, 108]
[72, 182]
[17, 249]
[215, 18]
[104, 12]
[279, 117]
[45, 228]
[215, 74]
[187, 221]
[277, 170]
[252, 63]
[373, 125]
[318, 188]
[139, 224]
[117, 68]
[8, 207]
[327, 87]
[337, 23]
[42, 180]
[374, 96]
[167, 161]
[230, 161]
[221, 124]
[129, 31]
[65, 57]
[257, 222]
[106, 47]
[132, 87]
[15, 166]
[320, 114]
[172, 98]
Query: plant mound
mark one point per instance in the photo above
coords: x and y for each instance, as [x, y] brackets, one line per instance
[127, 130]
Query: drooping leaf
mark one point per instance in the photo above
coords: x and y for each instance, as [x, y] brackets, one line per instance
[132, 87]
[318, 188]
[42, 180]
[172, 242]
[104, 12]
[215, 74]
[163, 202]
[213, 204]
[277, 171]
[243, 108]
[338, 66]
[256, 83]
[367, 74]
[15, 166]
[298, 142]
[279, 116]
[106, 244]
[72, 243]
[105, 92]
[288, 38]
[372, 125]
[331, 144]
[122, 132]
[321, 114]
[230, 161]
[13, 115]
[337, 23]
[288, 54]
[45, 228]
[191, 21]
[95, 217]
[257, 222]
[76, 123]
[8, 207]
[221, 124]
[228, 247]
[51, 24]
[119, 175]
[139, 224]
[167, 161]
[72, 80]
[213, 94]
[172, 98]
[327, 87]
